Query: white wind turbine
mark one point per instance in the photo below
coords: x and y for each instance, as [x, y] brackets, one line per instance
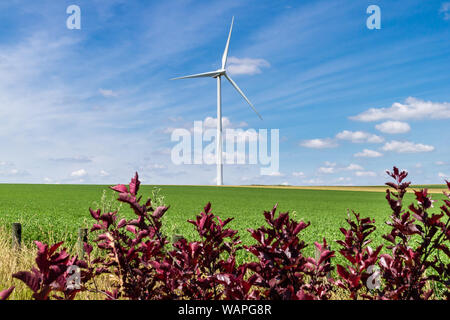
[218, 74]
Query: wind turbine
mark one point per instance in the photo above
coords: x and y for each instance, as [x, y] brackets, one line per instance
[218, 74]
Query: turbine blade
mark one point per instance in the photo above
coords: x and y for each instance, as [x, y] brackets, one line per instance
[242, 94]
[199, 75]
[225, 53]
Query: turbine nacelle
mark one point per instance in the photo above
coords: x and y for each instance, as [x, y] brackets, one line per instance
[220, 72]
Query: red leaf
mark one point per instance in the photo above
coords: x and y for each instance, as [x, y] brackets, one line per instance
[342, 272]
[435, 218]
[301, 295]
[325, 256]
[32, 280]
[41, 258]
[131, 229]
[122, 223]
[87, 248]
[120, 188]
[95, 214]
[54, 247]
[207, 208]
[6, 293]
[134, 184]
[224, 278]
[96, 227]
[159, 212]
[300, 226]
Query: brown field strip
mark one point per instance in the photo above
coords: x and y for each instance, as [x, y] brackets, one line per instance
[335, 188]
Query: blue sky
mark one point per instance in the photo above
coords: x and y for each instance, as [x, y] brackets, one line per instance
[96, 104]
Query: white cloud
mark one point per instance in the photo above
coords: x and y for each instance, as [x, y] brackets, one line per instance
[246, 65]
[319, 143]
[443, 175]
[158, 166]
[365, 174]
[407, 147]
[75, 159]
[331, 168]
[108, 93]
[440, 163]
[326, 170]
[393, 127]
[103, 173]
[211, 122]
[445, 10]
[168, 130]
[313, 181]
[353, 167]
[412, 109]
[375, 139]
[367, 153]
[298, 174]
[359, 137]
[79, 173]
[275, 174]
[208, 123]
[8, 169]
[233, 135]
[176, 119]
[48, 180]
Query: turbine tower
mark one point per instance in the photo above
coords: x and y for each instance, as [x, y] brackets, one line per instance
[218, 74]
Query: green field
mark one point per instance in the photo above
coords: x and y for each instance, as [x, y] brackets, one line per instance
[55, 212]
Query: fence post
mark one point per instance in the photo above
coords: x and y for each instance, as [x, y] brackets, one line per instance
[318, 257]
[16, 235]
[82, 238]
[176, 237]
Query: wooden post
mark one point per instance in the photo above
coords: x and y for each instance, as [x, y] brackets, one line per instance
[82, 238]
[318, 257]
[176, 237]
[16, 235]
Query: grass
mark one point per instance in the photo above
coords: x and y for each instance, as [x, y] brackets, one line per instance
[51, 213]
[13, 261]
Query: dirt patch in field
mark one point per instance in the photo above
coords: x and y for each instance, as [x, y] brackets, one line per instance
[339, 188]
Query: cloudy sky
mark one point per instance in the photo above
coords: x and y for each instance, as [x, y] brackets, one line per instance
[96, 104]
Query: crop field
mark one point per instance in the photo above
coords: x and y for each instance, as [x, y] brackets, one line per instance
[52, 213]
